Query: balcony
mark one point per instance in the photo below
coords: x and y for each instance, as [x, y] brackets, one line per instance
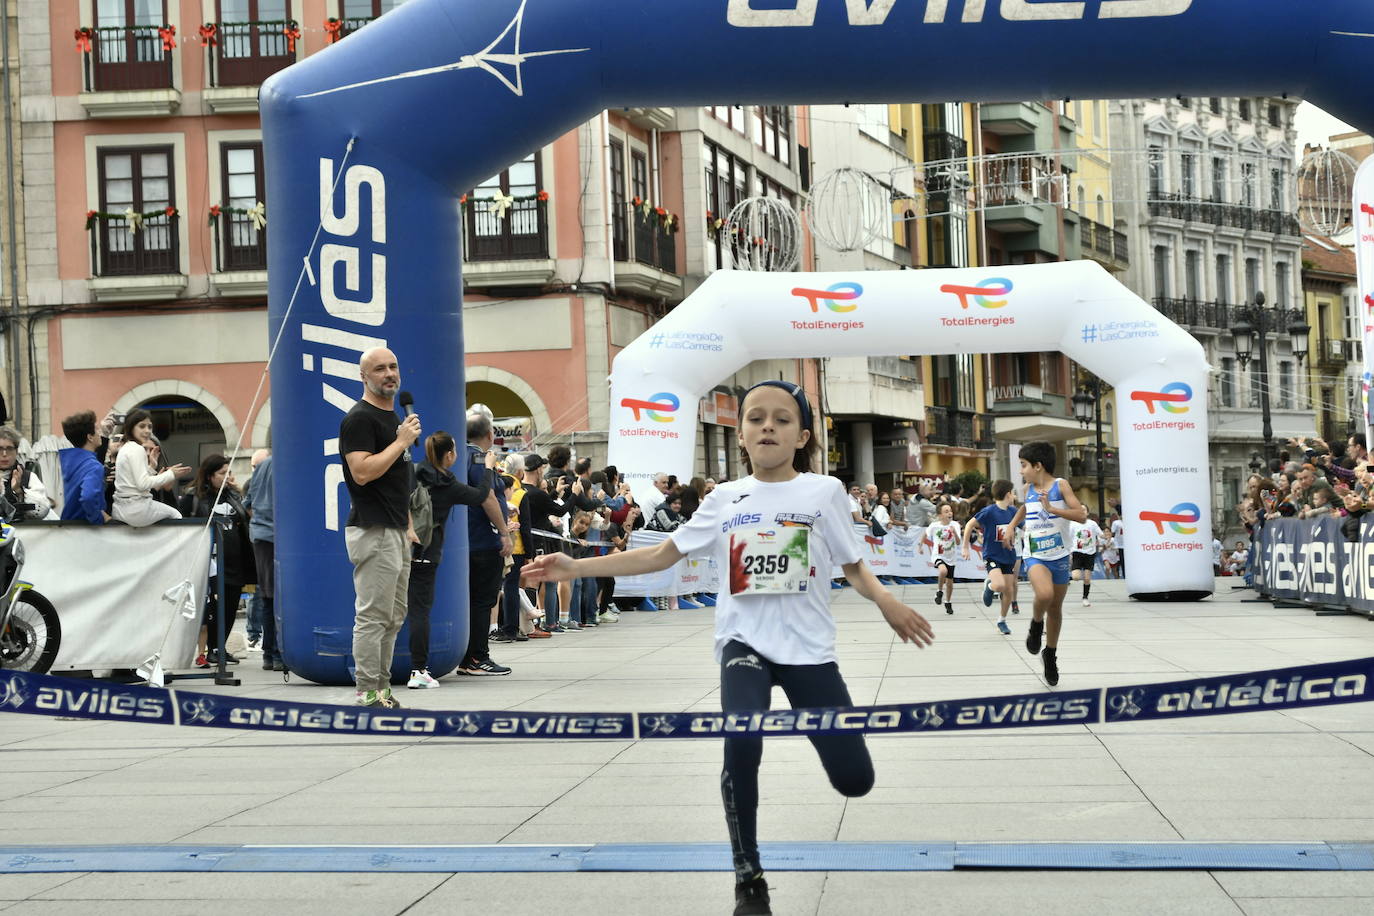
[1196, 315]
[243, 56]
[240, 255]
[507, 249]
[1104, 245]
[941, 146]
[1022, 398]
[127, 73]
[1012, 118]
[1084, 462]
[136, 265]
[1336, 354]
[646, 259]
[1224, 215]
[954, 428]
[352, 24]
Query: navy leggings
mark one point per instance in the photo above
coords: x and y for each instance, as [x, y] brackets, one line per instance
[746, 684]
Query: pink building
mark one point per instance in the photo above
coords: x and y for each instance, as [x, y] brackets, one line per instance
[146, 215]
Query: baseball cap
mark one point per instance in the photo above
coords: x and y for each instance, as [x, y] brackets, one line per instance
[534, 462]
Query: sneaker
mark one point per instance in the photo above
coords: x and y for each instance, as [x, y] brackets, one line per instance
[255, 644]
[501, 637]
[538, 633]
[484, 668]
[949, 608]
[368, 698]
[1037, 628]
[987, 593]
[1015, 608]
[751, 897]
[266, 663]
[1051, 658]
[557, 628]
[520, 637]
[202, 661]
[589, 623]
[278, 665]
[388, 701]
[607, 617]
[1003, 628]
[1087, 603]
[421, 680]
[937, 598]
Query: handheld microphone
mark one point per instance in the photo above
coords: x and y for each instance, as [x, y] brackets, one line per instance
[408, 403]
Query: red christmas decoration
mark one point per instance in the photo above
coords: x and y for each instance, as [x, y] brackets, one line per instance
[293, 35]
[83, 39]
[543, 196]
[170, 211]
[332, 28]
[209, 34]
[168, 35]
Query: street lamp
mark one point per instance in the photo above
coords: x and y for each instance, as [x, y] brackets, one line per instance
[1255, 463]
[1087, 408]
[1255, 325]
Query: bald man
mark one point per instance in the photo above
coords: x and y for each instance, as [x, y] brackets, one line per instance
[375, 445]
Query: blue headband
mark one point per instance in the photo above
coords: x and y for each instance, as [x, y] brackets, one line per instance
[797, 395]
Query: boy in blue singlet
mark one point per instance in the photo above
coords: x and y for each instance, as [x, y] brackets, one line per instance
[1049, 508]
[1000, 561]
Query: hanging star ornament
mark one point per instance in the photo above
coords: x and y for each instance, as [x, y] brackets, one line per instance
[487, 60]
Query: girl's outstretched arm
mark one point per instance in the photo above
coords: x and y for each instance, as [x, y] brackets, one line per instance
[559, 567]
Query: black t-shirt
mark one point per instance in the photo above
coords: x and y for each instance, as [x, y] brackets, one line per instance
[385, 502]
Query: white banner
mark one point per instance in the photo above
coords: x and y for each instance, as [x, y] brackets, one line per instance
[1158, 369]
[1363, 212]
[689, 576]
[107, 582]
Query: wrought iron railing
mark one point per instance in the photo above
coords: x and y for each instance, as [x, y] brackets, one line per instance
[521, 233]
[246, 53]
[653, 245]
[127, 58]
[1235, 216]
[950, 426]
[117, 250]
[239, 244]
[1085, 459]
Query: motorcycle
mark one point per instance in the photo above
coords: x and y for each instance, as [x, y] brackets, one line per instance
[30, 631]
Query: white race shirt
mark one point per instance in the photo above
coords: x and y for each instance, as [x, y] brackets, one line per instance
[1086, 536]
[1216, 552]
[790, 629]
[944, 541]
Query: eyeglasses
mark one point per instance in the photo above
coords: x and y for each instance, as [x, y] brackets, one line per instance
[8, 449]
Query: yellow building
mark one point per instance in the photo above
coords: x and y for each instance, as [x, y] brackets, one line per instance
[1330, 300]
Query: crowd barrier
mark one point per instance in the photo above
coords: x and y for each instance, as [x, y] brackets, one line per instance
[1310, 562]
[107, 582]
[1276, 689]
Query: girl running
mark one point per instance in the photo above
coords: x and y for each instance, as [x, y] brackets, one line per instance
[772, 531]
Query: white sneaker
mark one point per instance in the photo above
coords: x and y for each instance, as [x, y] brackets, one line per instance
[420, 680]
[1087, 603]
[607, 617]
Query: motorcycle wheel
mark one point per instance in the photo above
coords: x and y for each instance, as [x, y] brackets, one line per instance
[32, 636]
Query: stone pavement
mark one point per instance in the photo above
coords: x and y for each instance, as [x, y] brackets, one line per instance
[1271, 776]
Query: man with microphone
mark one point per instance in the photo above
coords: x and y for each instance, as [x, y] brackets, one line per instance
[377, 470]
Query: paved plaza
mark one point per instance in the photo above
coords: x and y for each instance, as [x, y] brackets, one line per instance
[1301, 776]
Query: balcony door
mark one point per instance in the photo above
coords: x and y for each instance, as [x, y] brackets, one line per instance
[139, 180]
[245, 247]
[251, 45]
[519, 231]
[127, 50]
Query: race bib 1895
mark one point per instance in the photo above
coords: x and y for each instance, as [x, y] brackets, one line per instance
[770, 560]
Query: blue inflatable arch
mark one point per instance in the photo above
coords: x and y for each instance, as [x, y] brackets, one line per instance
[370, 143]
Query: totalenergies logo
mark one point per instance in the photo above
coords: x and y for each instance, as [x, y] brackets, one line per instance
[984, 293]
[1181, 519]
[659, 407]
[1173, 398]
[841, 297]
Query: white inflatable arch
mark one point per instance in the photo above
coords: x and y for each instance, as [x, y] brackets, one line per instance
[1158, 370]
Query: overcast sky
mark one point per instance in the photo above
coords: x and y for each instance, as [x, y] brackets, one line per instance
[1316, 126]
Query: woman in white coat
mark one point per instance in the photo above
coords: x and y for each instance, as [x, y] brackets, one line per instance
[134, 478]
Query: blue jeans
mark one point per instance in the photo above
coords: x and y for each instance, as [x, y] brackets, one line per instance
[551, 608]
[588, 599]
[255, 616]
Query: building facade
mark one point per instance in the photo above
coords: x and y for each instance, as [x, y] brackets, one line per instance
[1205, 192]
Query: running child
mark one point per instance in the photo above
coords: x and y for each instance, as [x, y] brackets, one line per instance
[1086, 539]
[1049, 508]
[1001, 563]
[943, 537]
[772, 531]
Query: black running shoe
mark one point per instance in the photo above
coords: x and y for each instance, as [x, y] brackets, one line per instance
[949, 608]
[1037, 629]
[484, 668]
[751, 898]
[1051, 658]
[1015, 608]
[937, 598]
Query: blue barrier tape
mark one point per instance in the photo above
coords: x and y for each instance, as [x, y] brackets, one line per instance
[1278, 688]
[690, 857]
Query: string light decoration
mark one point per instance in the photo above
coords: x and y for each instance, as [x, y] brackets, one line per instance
[763, 233]
[849, 208]
[1325, 182]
